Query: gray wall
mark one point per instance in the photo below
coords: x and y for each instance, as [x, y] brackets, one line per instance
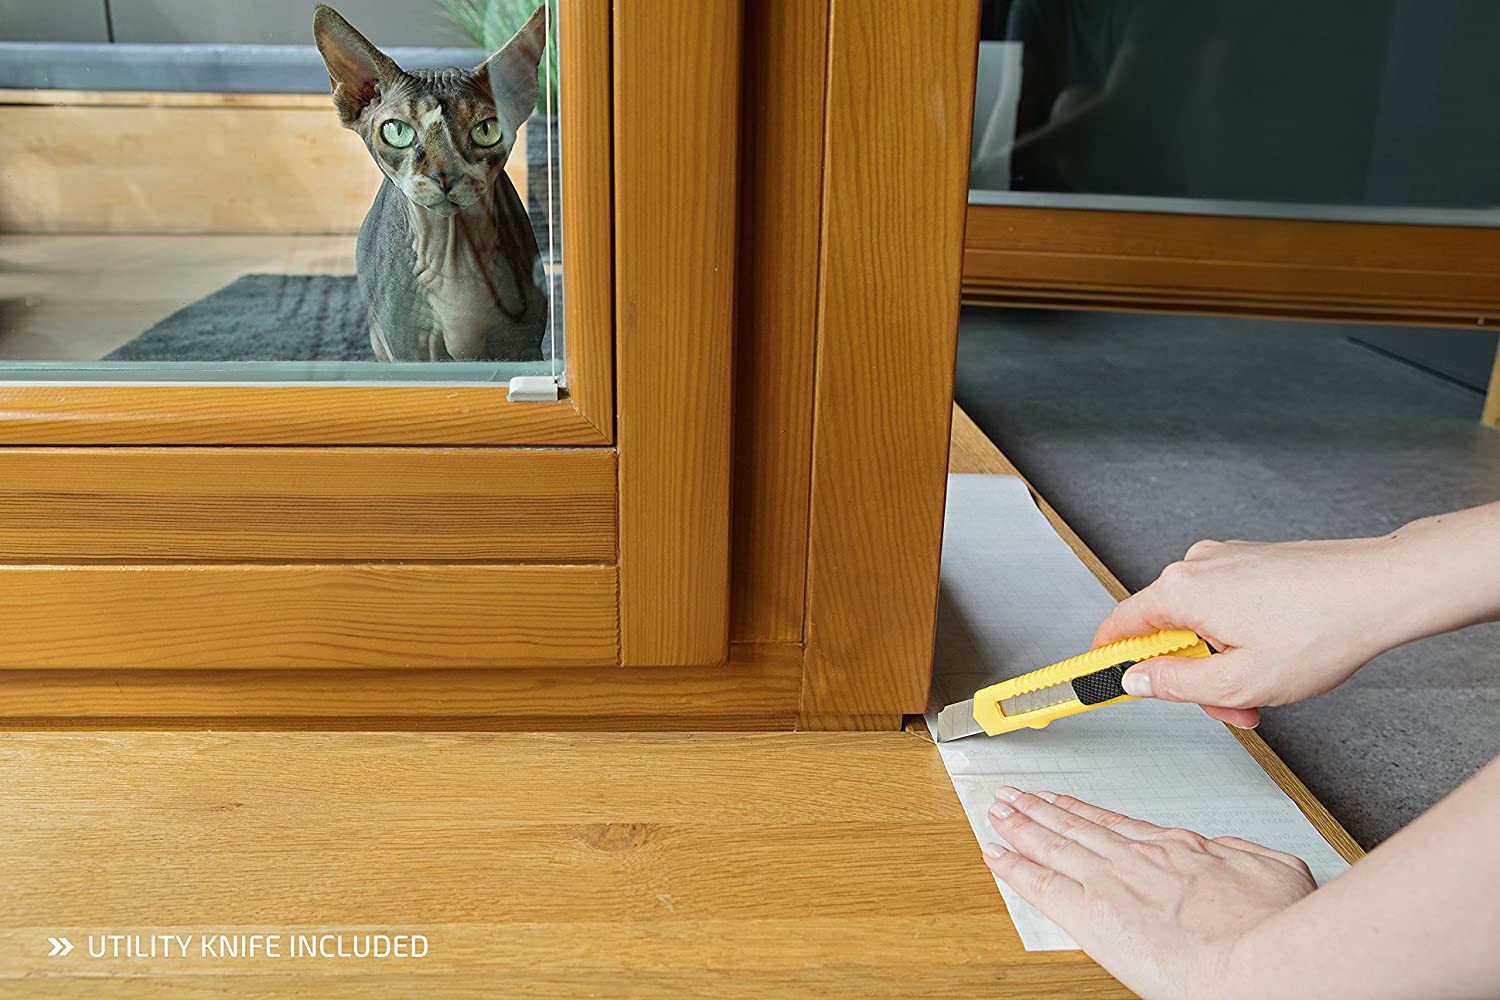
[386, 22]
[53, 21]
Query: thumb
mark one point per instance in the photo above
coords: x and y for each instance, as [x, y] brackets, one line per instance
[1215, 680]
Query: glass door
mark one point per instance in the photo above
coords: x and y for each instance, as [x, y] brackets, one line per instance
[193, 224]
[315, 356]
[1329, 160]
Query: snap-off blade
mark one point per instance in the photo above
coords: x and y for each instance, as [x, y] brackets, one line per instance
[957, 721]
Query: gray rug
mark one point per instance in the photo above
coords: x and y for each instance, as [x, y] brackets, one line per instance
[1151, 432]
[274, 317]
[262, 317]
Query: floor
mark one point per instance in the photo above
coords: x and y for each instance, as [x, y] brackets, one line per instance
[725, 866]
[76, 298]
[1150, 432]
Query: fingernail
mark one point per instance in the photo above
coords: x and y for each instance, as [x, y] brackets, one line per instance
[1005, 793]
[994, 851]
[1135, 682]
[1000, 810]
[1048, 796]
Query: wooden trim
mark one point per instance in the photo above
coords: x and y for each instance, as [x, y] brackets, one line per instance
[292, 414]
[677, 94]
[382, 615]
[398, 414]
[758, 689]
[586, 132]
[892, 245]
[184, 169]
[974, 452]
[160, 99]
[1492, 398]
[781, 208]
[306, 505]
[1282, 269]
[849, 723]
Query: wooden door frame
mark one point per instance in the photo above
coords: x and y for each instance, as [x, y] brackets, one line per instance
[1342, 272]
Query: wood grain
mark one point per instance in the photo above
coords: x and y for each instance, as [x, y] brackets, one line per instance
[273, 165]
[781, 195]
[585, 130]
[1492, 398]
[758, 689]
[1275, 268]
[306, 505]
[160, 99]
[291, 414]
[380, 615]
[737, 866]
[973, 452]
[677, 95]
[892, 246]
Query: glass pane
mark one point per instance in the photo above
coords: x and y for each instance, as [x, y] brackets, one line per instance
[182, 199]
[1336, 109]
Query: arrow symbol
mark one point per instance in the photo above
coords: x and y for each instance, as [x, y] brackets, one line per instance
[60, 947]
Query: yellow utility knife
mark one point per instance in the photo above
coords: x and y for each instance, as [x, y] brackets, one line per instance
[1085, 682]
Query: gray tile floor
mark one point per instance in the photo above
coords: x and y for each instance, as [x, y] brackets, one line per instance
[1150, 432]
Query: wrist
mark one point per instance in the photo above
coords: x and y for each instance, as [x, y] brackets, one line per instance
[1244, 971]
[1440, 573]
[1394, 590]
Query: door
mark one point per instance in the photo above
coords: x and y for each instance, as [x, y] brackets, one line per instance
[1328, 162]
[176, 522]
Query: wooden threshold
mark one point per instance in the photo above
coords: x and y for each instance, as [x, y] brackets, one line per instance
[974, 452]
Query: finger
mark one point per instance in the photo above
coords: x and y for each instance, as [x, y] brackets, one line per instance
[1140, 614]
[1118, 823]
[1042, 808]
[1215, 680]
[1047, 848]
[1240, 718]
[1058, 897]
[1250, 847]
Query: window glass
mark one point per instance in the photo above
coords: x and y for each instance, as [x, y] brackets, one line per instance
[243, 191]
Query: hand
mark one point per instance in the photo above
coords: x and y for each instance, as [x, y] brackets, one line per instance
[1290, 620]
[1162, 910]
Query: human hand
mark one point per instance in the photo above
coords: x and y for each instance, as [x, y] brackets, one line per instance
[1162, 910]
[1290, 620]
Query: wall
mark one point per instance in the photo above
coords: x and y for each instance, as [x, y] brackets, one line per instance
[281, 22]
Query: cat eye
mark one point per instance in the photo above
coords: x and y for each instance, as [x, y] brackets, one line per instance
[486, 133]
[398, 133]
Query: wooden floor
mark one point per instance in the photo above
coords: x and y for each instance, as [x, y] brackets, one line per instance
[725, 866]
[76, 298]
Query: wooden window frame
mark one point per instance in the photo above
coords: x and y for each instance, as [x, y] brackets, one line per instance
[397, 414]
[1341, 272]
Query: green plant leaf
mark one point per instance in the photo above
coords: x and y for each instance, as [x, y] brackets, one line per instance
[491, 23]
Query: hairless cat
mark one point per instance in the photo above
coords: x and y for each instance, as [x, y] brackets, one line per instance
[447, 262]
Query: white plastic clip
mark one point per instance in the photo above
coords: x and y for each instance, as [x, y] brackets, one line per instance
[533, 389]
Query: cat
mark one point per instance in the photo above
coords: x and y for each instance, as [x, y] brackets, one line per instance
[447, 262]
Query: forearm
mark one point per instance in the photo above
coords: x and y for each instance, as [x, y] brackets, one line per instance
[1418, 917]
[1443, 572]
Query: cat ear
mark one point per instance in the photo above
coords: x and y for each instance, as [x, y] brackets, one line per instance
[510, 74]
[355, 67]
